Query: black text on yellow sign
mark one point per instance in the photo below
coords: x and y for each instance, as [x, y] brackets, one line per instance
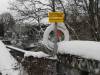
[56, 17]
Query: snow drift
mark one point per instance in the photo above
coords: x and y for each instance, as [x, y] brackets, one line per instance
[7, 63]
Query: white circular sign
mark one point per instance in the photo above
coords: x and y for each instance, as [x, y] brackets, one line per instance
[62, 35]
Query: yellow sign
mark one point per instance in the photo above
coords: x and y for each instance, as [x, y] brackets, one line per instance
[56, 17]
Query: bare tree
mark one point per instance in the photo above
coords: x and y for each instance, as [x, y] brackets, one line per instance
[6, 22]
[88, 9]
[30, 9]
[74, 10]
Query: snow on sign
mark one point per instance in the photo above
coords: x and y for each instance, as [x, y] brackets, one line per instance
[56, 17]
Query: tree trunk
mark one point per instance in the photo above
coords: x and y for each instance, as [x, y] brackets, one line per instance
[93, 19]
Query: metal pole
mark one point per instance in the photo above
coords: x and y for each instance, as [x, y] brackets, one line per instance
[55, 42]
[55, 30]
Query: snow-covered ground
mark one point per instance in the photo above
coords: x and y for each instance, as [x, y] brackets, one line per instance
[86, 49]
[7, 63]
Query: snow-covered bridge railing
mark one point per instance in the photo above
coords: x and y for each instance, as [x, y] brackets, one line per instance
[79, 55]
[35, 63]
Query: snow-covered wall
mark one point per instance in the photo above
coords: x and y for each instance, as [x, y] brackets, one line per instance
[86, 49]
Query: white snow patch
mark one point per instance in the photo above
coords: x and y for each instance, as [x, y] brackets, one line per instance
[87, 49]
[32, 45]
[17, 49]
[7, 62]
[39, 54]
[45, 21]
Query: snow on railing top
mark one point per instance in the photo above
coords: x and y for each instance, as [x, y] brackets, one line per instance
[86, 49]
[38, 54]
[15, 48]
[35, 54]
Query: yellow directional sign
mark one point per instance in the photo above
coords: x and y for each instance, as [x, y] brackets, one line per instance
[56, 17]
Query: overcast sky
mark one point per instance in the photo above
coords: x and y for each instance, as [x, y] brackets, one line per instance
[4, 5]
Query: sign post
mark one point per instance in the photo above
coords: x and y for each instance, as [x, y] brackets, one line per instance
[55, 17]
